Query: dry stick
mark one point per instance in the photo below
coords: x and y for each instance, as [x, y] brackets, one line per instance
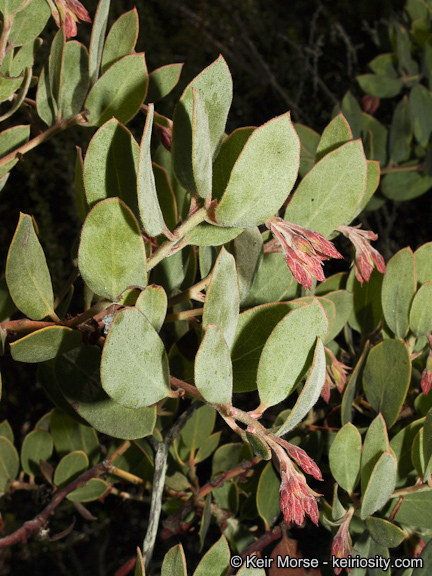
[161, 457]
[33, 526]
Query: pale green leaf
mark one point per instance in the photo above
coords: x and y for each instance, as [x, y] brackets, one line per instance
[213, 368]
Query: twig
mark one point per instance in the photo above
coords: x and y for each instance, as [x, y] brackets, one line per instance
[159, 482]
[33, 526]
[261, 543]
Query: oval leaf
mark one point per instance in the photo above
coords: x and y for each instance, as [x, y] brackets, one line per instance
[345, 456]
[213, 368]
[288, 352]
[381, 485]
[386, 378]
[259, 183]
[121, 39]
[398, 289]
[421, 311]
[134, 368]
[37, 446]
[94, 489]
[111, 254]
[384, 532]
[45, 344]
[174, 563]
[150, 210]
[267, 496]
[9, 464]
[70, 467]
[153, 303]
[218, 309]
[216, 561]
[27, 273]
[119, 92]
[329, 194]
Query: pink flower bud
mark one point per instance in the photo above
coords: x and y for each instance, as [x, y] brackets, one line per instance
[366, 257]
[304, 250]
[69, 12]
[341, 547]
[301, 457]
[296, 498]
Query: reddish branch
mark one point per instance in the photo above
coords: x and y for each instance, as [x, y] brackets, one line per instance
[260, 544]
[174, 523]
[33, 526]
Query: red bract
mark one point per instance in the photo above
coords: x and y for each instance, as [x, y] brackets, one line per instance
[296, 498]
[341, 547]
[70, 12]
[336, 371]
[426, 379]
[302, 458]
[305, 251]
[366, 257]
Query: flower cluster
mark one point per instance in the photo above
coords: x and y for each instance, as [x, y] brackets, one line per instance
[366, 257]
[341, 546]
[68, 12]
[296, 498]
[304, 250]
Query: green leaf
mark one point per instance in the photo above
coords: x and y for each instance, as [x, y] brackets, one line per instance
[398, 289]
[405, 185]
[97, 39]
[329, 194]
[29, 22]
[259, 183]
[384, 65]
[218, 309]
[416, 510]
[375, 444]
[216, 561]
[45, 344]
[171, 272]
[24, 58]
[119, 92]
[148, 203]
[37, 446]
[134, 368]
[372, 182]
[288, 352]
[215, 85]
[174, 563]
[267, 496]
[153, 302]
[92, 490]
[206, 234]
[420, 100]
[337, 133]
[121, 39]
[259, 446]
[380, 86]
[351, 387]
[75, 79]
[9, 464]
[45, 103]
[353, 114]
[208, 447]
[199, 427]
[273, 282]
[139, 569]
[421, 311]
[386, 378]
[401, 445]
[27, 273]
[56, 64]
[309, 140]
[345, 456]
[213, 368]
[78, 374]
[253, 329]
[310, 393]
[367, 311]
[381, 485]
[10, 140]
[70, 467]
[229, 151]
[343, 301]
[162, 81]
[111, 165]
[8, 86]
[384, 532]
[9, 6]
[201, 148]
[111, 254]
[6, 431]
[401, 132]
[248, 251]
[376, 138]
[80, 196]
[166, 196]
[423, 258]
[69, 435]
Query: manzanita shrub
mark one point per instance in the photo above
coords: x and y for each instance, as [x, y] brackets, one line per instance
[198, 274]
